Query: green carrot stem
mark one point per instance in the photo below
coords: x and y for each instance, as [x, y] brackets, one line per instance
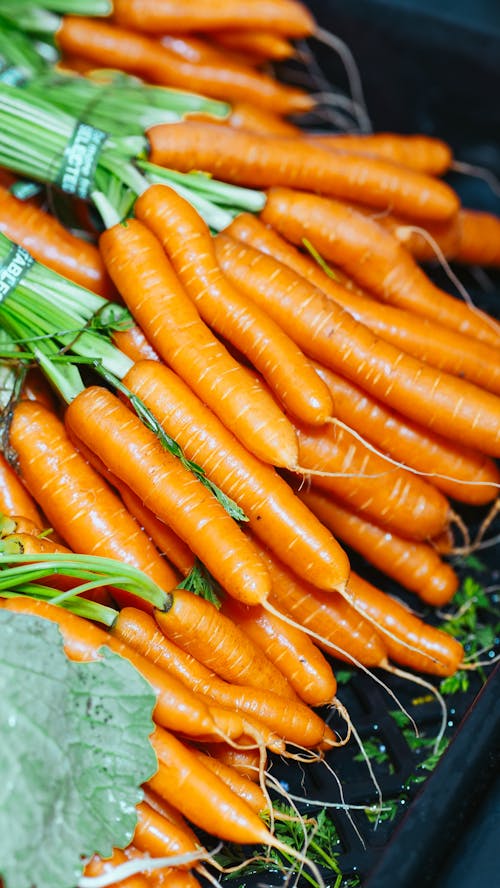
[223, 193]
[92, 610]
[88, 567]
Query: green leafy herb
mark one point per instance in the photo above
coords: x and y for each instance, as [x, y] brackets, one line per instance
[74, 751]
[200, 582]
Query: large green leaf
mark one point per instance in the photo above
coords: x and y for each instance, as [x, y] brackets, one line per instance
[74, 751]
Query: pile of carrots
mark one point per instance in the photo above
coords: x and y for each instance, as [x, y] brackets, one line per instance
[305, 360]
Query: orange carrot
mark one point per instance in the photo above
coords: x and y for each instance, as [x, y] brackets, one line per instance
[97, 866]
[417, 566]
[284, 16]
[289, 649]
[454, 408]
[440, 653]
[252, 118]
[18, 524]
[159, 837]
[274, 513]
[108, 45]
[267, 44]
[246, 789]
[23, 543]
[372, 257]
[200, 795]
[216, 642]
[245, 761]
[133, 343]
[286, 717]
[166, 541]
[419, 152]
[426, 340]
[14, 497]
[166, 877]
[176, 706]
[146, 280]
[464, 474]
[479, 238]
[392, 497]
[77, 501]
[134, 454]
[260, 161]
[35, 387]
[52, 244]
[190, 247]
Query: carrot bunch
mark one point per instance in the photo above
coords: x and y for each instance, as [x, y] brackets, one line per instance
[253, 401]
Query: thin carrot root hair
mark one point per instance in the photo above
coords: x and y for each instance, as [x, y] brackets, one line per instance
[485, 524]
[455, 280]
[143, 865]
[342, 711]
[341, 49]
[345, 655]
[470, 169]
[417, 679]
[456, 519]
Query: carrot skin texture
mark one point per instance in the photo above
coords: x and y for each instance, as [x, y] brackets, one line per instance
[419, 336]
[289, 18]
[468, 475]
[252, 118]
[97, 866]
[261, 161]
[147, 282]
[423, 153]
[287, 718]
[291, 651]
[326, 332]
[50, 243]
[189, 245]
[208, 634]
[157, 836]
[440, 653]
[479, 242]
[242, 786]
[201, 796]
[273, 511]
[14, 497]
[133, 343]
[174, 494]
[393, 497]
[76, 500]
[117, 47]
[372, 257]
[417, 566]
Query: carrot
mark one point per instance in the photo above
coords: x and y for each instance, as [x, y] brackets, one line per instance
[52, 244]
[392, 497]
[216, 642]
[136, 456]
[167, 810]
[14, 497]
[426, 340]
[117, 47]
[454, 408]
[23, 543]
[245, 761]
[289, 649]
[36, 388]
[417, 566]
[274, 513]
[166, 541]
[479, 238]
[146, 280]
[189, 246]
[268, 44]
[166, 877]
[441, 654]
[18, 524]
[464, 474]
[258, 161]
[252, 118]
[286, 717]
[159, 837]
[373, 257]
[199, 50]
[284, 16]
[243, 787]
[201, 796]
[97, 866]
[133, 343]
[176, 707]
[77, 501]
[426, 154]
